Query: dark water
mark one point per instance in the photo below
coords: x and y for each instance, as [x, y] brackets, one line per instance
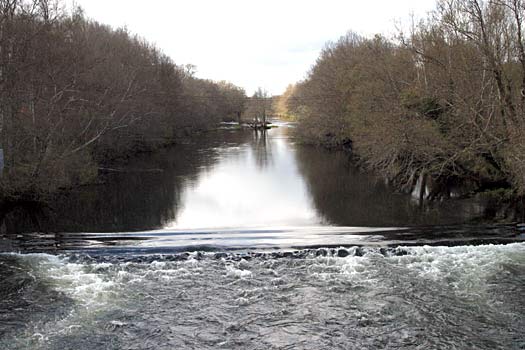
[243, 241]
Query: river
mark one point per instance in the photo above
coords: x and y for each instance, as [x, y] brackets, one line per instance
[244, 240]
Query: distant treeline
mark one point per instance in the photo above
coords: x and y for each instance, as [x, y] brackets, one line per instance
[75, 93]
[443, 104]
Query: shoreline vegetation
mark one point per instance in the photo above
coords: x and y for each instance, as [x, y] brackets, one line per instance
[77, 95]
[438, 111]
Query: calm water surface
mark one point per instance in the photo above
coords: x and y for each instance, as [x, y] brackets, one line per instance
[240, 240]
[243, 190]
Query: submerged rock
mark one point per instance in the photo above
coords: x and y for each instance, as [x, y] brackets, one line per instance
[321, 252]
[342, 253]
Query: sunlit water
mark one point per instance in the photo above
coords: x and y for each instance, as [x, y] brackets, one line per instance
[240, 240]
[253, 185]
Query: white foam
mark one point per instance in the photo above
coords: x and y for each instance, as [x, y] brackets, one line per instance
[464, 268]
[88, 285]
[238, 273]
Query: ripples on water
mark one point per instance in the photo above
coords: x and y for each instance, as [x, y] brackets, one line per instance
[362, 298]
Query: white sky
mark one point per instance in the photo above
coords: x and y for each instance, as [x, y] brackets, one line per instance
[268, 43]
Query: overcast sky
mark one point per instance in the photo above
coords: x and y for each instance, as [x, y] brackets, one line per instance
[268, 43]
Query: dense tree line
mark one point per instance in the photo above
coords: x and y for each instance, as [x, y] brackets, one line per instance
[443, 104]
[280, 103]
[75, 93]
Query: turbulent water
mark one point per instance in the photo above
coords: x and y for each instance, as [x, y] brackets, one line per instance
[242, 240]
[357, 298]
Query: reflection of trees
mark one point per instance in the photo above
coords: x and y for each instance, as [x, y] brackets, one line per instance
[262, 149]
[145, 197]
[345, 196]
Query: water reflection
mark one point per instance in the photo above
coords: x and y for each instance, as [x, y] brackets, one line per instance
[347, 196]
[253, 185]
[262, 149]
[239, 180]
[142, 194]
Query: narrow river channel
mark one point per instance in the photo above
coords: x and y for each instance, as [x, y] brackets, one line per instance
[244, 240]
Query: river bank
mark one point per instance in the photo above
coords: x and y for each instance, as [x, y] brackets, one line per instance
[502, 203]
